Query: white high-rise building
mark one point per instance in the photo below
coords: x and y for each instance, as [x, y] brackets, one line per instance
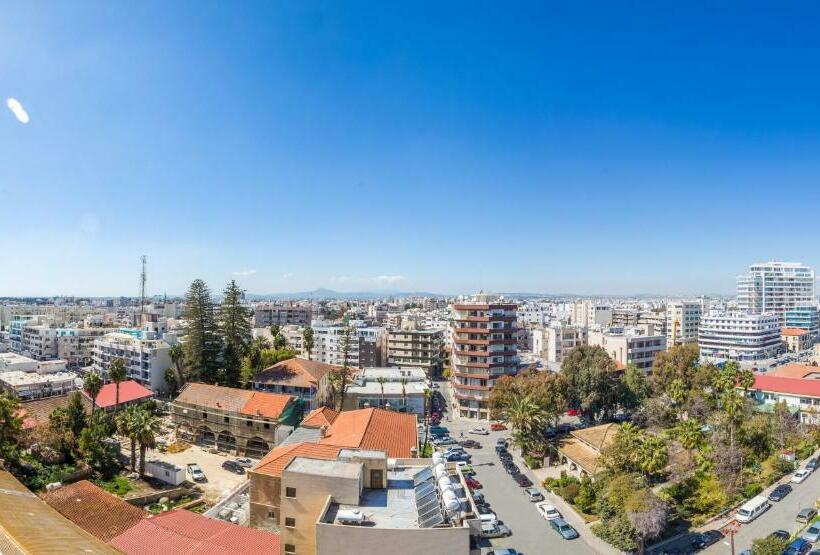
[775, 287]
[739, 336]
[682, 320]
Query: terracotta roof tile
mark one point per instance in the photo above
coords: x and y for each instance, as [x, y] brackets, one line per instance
[185, 533]
[297, 372]
[323, 416]
[794, 370]
[275, 462]
[36, 413]
[129, 391]
[231, 399]
[392, 432]
[94, 510]
[793, 332]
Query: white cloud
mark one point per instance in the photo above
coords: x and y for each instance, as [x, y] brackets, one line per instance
[244, 272]
[18, 110]
[388, 280]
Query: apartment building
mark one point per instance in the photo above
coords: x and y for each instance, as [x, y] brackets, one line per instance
[554, 343]
[12, 362]
[655, 318]
[266, 315]
[33, 385]
[390, 388]
[739, 336]
[308, 380]
[145, 358]
[637, 346]
[367, 346]
[625, 317]
[795, 339]
[775, 287]
[590, 314]
[484, 349]
[806, 318]
[233, 420]
[682, 321]
[416, 346]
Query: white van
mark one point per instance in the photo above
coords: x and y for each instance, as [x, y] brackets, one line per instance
[752, 509]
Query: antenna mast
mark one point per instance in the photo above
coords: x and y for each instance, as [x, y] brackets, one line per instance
[144, 260]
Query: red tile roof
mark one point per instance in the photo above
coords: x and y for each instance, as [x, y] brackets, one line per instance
[129, 391]
[36, 413]
[323, 416]
[392, 432]
[94, 510]
[297, 372]
[794, 370]
[275, 462]
[793, 332]
[182, 532]
[791, 386]
[231, 399]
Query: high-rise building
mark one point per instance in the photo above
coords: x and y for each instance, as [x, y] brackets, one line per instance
[739, 335]
[682, 321]
[484, 349]
[775, 287]
[366, 345]
[805, 318]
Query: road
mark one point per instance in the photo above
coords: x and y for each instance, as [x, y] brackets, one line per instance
[779, 517]
[531, 534]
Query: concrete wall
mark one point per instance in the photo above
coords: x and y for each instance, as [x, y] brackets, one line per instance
[338, 539]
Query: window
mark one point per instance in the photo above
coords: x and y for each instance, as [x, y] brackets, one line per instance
[271, 514]
[267, 426]
[290, 492]
[205, 415]
[290, 548]
[290, 522]
[248, 423]
[225, 419]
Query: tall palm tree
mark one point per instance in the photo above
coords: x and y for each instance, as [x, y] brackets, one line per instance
[92, 385]
[652, 455]
[527, 419]
[116, 373]
[307, 341]
[428, 402]
[127, 422]
[177, 355]
[146, 429]
[404, 382]
[689, 433]
[381, 381]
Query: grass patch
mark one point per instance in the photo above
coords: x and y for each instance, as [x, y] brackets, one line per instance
[117, 485]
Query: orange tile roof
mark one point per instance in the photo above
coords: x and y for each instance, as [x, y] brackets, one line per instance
[323, 416]
[36, 413]
[793, 332]
[231, 399]
[296, 372]
[794, 370]
[392, 432]
[275, 462]
[94, 510]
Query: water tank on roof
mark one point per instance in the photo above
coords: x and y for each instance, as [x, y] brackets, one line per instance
[444, 482]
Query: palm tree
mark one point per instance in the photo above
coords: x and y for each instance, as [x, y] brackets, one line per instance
[127, 422]
[689, 433]
[116, 373]
[746, 380]
[404, 382]
[307, 341]
[92, 385]
[177, 355]
[652, 455]
[381, 381]
[527, 419]
[428, 402]
[146, 428]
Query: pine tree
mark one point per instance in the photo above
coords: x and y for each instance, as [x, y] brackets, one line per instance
[203, 345]
[235, 325]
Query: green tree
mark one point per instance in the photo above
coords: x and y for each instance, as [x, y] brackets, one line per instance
[203, 344]
[678, 363]
[770, 545]
[647, 514]
[307, 341]
[146, 429]
[96, 449]
[381, 381]
[171, 381]
[177, 355]
[235, 326]
[689, 433]
[652, 455]
[340, 377]
[93, 384]
[594, 388]
[527, 420]
[11, 426]
[76, 417]
[275, 331]
[126, 423]
[116, 373]
[404, 382]
[637, 387]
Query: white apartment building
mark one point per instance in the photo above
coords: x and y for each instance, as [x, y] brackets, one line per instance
[400, 389]
[590, 314]
[775, 287]
[366, 347]
[682, 321]
[553, 343]
[12, 362]
[145, 359]
[739, 336]
[31, 385]
[638, 346]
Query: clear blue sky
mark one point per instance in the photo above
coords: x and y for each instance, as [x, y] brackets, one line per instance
[552, 147]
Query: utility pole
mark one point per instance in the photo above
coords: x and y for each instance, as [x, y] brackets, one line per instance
[144, 260]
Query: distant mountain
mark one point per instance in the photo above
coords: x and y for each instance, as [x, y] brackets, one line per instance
[330, 294]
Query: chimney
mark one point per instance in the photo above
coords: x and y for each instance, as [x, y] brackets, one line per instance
[323, 431]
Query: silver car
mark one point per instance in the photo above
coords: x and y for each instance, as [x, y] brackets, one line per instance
[533, 495]
[812, 533]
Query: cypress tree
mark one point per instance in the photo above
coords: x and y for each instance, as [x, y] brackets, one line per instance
[203, 344]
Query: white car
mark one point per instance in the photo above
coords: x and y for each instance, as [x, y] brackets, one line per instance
[480, 431]
[548, 511]
[800, 475]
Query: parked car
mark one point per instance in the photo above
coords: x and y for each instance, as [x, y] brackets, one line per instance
[478, 498]
[798, 547]
[466, 468]
[704, 540]
[490, 530]
[564, 530]
[497, 426]
[805, 515]
[533, 495]
[472, 483]
[548, 511]
[782, 534]
[196, 474]
[501, 442]
[244, 461]
[470, 444]
[234, 467]
[503, 551]
[457, 456]
[522, 480]
[812, 464]
[799, 476]
[445, 440]
[812, 533]
[480, 430]
[484, 509]
[505, 456]
[511, 468]
[780, 492]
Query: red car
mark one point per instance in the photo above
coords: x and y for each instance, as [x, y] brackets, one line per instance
[497, 426]
[573, 412]
[472, 483]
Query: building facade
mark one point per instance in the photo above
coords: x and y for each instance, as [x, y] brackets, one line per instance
[806, 318]
[366, 345]
[390, 388]
[145, 359]
[636, 346]
[484, 350]
[418, 347]
[682, 321]
[266, 315]
[554, 343]
[739, 336]
[775, 287]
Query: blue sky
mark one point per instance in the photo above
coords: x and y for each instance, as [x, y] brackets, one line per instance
[551, 147]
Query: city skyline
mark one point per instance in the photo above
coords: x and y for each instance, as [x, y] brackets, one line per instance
[295, 147]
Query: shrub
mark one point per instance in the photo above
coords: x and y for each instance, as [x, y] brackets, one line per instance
[569, 492]
[551, 484]
[116, 485]
[532, 462]
[750, 490]
[616, 532]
